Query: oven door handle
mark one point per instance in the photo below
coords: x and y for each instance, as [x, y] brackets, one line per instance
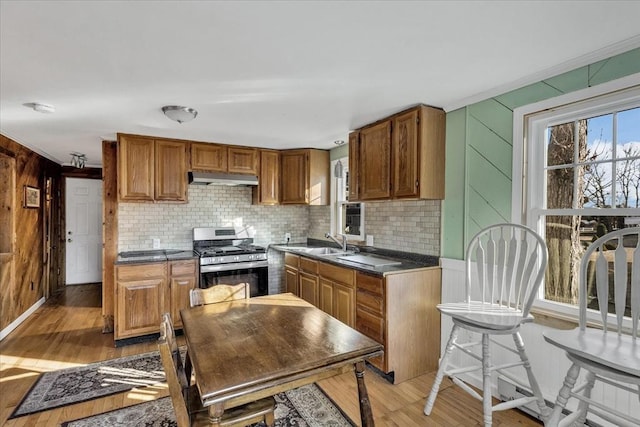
[233, 266]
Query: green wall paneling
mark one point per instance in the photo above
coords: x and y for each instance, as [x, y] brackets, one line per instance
[489, 182]
[491, 146]
[494, 116]
[615, 67]
[571, 81]
[528, 95]
[453, 204]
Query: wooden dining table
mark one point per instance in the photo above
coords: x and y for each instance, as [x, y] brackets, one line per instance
[248, 349]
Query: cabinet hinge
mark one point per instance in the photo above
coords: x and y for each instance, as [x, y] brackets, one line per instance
[418, 120]
[417, 183]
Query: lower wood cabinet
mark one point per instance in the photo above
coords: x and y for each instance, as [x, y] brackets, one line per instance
[145, 291]
[399, 311]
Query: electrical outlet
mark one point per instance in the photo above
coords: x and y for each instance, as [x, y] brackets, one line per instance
[287, 237]
[156, 243]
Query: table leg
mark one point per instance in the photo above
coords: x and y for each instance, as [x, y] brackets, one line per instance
[365, 406]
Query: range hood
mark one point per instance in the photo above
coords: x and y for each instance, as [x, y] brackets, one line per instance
[207, 178]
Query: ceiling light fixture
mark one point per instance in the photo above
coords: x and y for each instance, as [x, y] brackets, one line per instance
[179, 113]
[40, 108]
[78, 160]
[339, 141]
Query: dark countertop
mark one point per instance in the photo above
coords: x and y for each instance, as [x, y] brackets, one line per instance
[407, 260]
[154, 255]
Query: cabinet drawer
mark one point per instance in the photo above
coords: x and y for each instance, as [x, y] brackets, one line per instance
[370, 284]
[345, 276]
[182, 268]
[370, 325]
[141, 271]
[308, 265]
[291, 260]
[374, 303]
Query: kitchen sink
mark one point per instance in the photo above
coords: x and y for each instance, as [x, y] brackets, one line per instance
[324, 250]
[368, 260]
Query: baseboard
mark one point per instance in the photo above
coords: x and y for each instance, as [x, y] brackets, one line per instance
[6, 331]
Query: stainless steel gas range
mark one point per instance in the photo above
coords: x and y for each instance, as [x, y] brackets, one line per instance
[230, 257]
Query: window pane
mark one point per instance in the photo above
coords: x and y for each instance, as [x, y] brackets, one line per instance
[628, 133]
[560, 150]
[567, 238]
[599, 138]
[560, 188]
[596, 185]
[628, 183]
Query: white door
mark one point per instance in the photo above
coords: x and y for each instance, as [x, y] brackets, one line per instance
[84, 231]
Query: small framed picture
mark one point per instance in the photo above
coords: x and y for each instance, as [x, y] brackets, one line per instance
[31, 197]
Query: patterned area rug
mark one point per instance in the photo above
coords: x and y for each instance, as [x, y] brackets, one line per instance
[73, 385]
[306, 406]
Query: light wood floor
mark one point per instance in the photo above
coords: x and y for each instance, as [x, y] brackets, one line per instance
[66, 332]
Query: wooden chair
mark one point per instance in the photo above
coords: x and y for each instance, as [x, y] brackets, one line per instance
[609, 357]
[505, 264]
[219, 293]
[186, 399]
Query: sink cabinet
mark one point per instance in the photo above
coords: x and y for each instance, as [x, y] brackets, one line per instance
[145, 291]
[337, 292]
[291, 264]
[308, 280]
[400, 157]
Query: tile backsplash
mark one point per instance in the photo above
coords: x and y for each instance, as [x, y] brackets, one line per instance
[409, 226]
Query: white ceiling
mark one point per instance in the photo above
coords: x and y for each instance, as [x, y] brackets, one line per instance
[277, 74]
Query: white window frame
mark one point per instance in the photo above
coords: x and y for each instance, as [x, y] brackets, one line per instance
[337, 187]
[529, 124]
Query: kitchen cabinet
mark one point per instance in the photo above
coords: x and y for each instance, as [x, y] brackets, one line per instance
[183, 276]
[267, 192]
[374, 162]
[308, 280]
[151, 170]
[291, 263]
[337, 292]
[304, 177]
[400, 157]
[222, 158]
[145, 291]
[242, 160]
[399, 311]
[208, 157]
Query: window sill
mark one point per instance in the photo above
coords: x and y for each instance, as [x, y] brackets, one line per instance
[553, 319]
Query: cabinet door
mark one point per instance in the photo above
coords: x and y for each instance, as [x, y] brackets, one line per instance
[309, 288]
[171, 171]
[183, 278]
[136, 168]
[344, 304]
[268, 189]
[354, 161]
[242, 160]
[208, 157]
[406, 155]
[295, 177]
[374, 166]
[140, 305]
[291, 281]
[326, 296]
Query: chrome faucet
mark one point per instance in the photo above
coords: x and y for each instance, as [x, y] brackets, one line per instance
[343, 244]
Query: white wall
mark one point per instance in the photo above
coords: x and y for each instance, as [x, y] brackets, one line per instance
[549, 364]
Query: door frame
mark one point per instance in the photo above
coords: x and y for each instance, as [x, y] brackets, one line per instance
[70, 172]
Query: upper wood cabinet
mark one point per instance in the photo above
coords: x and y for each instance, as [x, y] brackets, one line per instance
[267, 192]
[170, 171]
[208, 157]
[374, 162]
[304, 177]
[151, 170]
[242, 160]
[223, 158]
[401, 157]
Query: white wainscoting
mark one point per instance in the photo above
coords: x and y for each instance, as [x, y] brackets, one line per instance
[548, 362]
